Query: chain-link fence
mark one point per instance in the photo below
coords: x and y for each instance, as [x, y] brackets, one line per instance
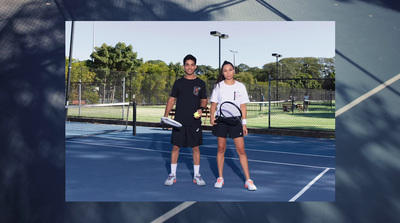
[291, 103]
[282, 103]
[96, 92]
[96, 86]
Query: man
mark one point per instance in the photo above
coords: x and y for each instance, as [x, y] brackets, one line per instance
[305, 104]
[190, 95]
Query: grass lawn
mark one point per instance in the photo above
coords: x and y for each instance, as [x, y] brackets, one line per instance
[318, 117]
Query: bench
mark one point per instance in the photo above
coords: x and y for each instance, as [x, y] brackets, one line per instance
[205, 114]
[288, 106]
[76, 102]
[300, 107]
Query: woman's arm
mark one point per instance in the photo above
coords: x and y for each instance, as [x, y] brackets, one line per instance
[244, 118]
[212, 113]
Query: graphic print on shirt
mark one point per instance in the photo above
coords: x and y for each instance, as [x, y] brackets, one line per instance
[237, 95]
[196, 90]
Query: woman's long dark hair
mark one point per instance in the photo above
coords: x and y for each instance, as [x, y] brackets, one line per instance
[221, 74]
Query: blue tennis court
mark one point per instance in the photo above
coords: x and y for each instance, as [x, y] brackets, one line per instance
[121, 167]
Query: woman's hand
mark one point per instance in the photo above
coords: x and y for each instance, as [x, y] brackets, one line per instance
[245, 131]
[212, 120]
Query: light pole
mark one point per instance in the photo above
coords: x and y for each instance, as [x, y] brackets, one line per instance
[220, 36]
[93, 41]
[234, 52]
[277, 56]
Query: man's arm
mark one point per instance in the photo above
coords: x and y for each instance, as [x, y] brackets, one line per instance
[170, 104]
[203, 104]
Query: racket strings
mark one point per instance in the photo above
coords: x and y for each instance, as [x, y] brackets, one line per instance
[229, 113]
[229, 109]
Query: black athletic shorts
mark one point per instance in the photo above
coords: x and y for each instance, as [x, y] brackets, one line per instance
[223, 130]
[189, 135]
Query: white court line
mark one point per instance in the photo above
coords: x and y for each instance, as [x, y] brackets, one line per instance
[189, 154]
[173, 212]
[367, 95]
[308, 185]
[185, 205]
[338, 112]
[206, 146]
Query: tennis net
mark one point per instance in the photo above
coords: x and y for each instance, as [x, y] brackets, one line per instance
[95, 119]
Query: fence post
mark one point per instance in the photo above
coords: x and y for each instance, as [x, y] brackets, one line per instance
[277, 91]
[69, 69]
[269, 101]
[80, 96]
[123, 97]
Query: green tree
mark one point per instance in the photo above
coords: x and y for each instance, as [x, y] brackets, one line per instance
[137, 80]
[269, 70]
[207, 72]
[329, 83]
[115, 63]
[79, 71]
[287, 70]
[153, 87]
[155, 61]
[118, 58]
[242, 67]
[259, 74]
[174, 71]
[245, 77]
[177, 69]
[305, 81]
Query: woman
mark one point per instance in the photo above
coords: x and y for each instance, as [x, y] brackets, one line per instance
[228, 89]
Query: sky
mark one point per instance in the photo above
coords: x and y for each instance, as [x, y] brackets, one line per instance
[254, 41]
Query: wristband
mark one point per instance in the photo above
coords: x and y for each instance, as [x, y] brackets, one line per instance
[244, 121]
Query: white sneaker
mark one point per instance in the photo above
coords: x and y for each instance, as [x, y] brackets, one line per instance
[219, 183]
[198, 180]
[250, 185]
[171, 180]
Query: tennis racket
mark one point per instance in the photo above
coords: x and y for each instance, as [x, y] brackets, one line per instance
[170, 122]
[229, 113]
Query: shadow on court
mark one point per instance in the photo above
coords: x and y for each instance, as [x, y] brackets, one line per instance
[229, 163]
[122, 167]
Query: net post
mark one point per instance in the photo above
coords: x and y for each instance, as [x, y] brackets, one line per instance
[123, 97]
[134, 118]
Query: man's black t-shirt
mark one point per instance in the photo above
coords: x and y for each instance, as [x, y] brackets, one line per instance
[188, 94]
